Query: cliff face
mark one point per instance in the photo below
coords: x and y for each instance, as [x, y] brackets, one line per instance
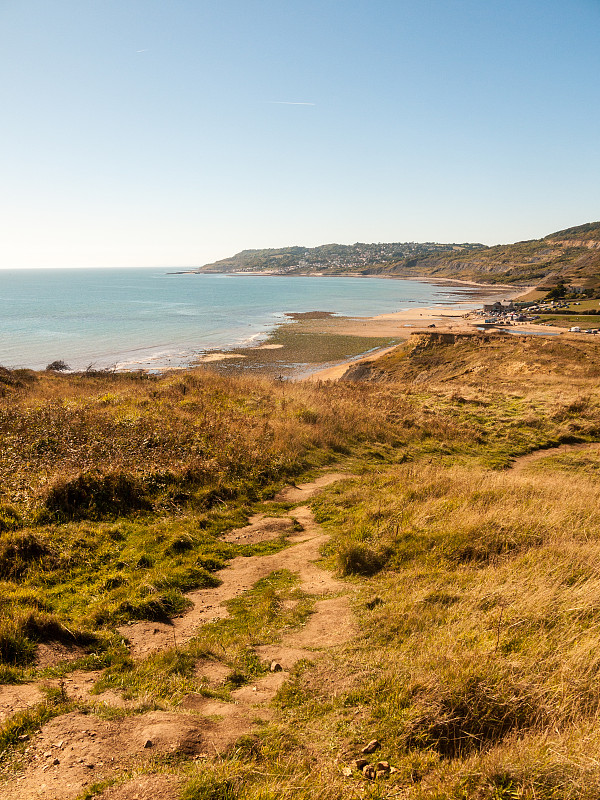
[422, 356]
[490, 360]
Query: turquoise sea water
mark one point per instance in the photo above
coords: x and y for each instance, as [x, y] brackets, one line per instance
[133, 318]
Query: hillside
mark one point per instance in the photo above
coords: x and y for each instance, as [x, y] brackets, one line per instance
[571, 255]
[331, 258]
[475, 359]
[235, 588]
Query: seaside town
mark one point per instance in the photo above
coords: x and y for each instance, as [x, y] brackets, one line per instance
[503, 313]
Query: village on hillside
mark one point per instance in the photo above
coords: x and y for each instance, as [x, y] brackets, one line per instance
[512, 312]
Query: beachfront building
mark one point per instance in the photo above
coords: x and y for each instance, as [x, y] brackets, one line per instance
[499, 307]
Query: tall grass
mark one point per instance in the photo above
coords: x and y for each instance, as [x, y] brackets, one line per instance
[477, 664]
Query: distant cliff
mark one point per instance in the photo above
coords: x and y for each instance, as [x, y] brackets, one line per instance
[571, 255]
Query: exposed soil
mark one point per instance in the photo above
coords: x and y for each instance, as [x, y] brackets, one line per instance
[260, 529]
[243, 572]
[18, 698]
[213, 673]
[523, 462]
[144, 787]
[77, 749]
[49, 654]
[78, 685]
[298, 494]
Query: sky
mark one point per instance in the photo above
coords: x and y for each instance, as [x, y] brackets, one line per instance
[177, 132]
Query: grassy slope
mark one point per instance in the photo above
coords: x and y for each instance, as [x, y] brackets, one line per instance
[572, 255]
[476, 666]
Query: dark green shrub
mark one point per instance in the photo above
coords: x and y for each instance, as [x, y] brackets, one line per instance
[58, 366]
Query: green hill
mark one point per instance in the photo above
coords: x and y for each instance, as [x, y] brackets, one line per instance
[333, 258]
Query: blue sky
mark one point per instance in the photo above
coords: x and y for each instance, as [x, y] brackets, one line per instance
[146, 133]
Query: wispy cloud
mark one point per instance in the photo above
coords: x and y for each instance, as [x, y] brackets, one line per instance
[145, 50]
[289, 103]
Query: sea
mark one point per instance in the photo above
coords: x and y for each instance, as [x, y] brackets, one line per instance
[155, 319]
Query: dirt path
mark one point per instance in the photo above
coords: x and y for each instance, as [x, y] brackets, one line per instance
[78, 749]
[523, 462]
[242, 573]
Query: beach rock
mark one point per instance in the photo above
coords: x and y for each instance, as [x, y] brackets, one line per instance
[371, 746]
[369, 772]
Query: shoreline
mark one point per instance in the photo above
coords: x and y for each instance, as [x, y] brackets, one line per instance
[323, 334]
[299, 344]
[458, 282]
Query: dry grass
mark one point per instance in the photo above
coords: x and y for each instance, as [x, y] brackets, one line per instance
[477, 665]
[481, 643]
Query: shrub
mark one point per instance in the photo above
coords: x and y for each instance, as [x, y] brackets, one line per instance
[18, 552]
[9, 518]
[21, 631]
[92, 495]
[472, 715]
[11, 379]
[356, 558]
[57, 366]
[16, 648]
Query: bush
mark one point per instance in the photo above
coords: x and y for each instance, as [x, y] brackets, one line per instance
[18, 552]
[95, 496]
[356, 558]
[57, 366]
[12, 379]
[473, 715]
[9, 518]
[16, 648]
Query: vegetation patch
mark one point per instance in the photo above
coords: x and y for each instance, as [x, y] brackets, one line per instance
[94, 496]
[475, 585]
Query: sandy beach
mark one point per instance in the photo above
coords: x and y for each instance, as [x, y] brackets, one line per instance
[400, 326]
[319, 346]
